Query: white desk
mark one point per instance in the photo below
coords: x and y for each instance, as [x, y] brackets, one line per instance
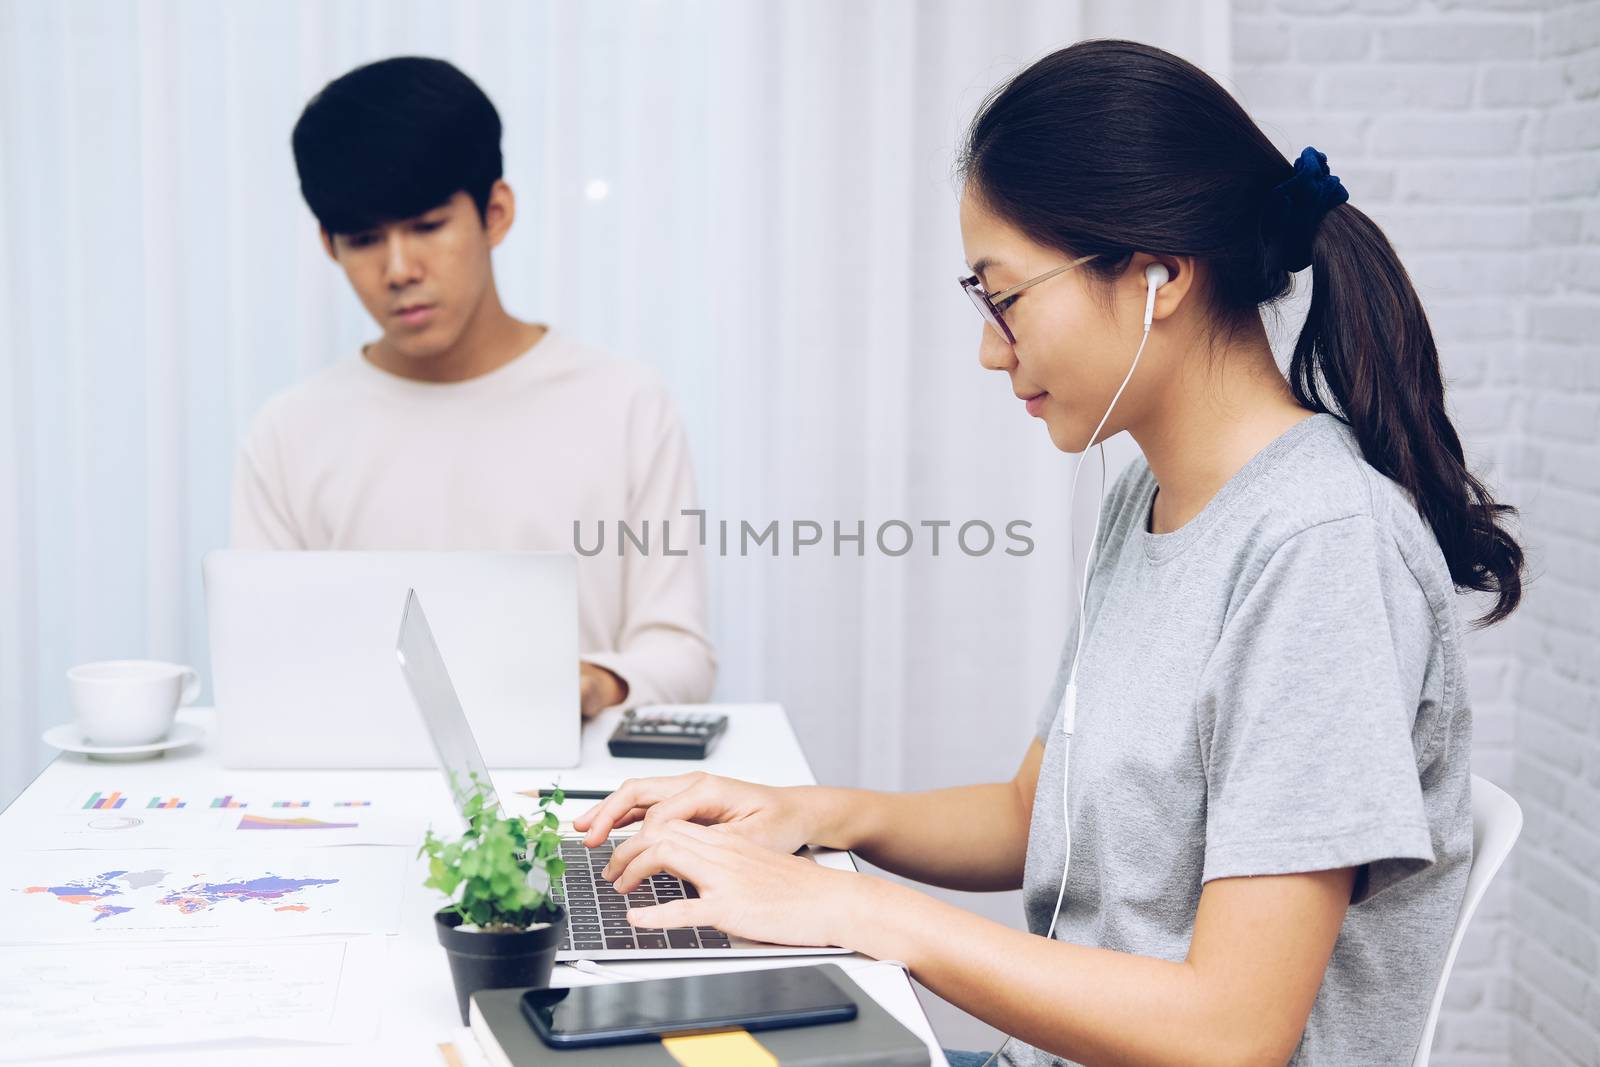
[419, 1004]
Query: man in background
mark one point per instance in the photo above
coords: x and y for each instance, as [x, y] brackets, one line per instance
[462, 427]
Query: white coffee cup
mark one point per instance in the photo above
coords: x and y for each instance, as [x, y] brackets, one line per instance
[118, 703]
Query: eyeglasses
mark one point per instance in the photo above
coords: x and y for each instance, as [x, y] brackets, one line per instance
[991, 307]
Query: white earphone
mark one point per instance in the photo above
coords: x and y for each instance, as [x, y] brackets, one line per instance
[1155, 276]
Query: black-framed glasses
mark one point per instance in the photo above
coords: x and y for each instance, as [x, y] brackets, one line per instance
[991, 306]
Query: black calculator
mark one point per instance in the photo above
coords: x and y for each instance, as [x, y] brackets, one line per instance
[667, 734]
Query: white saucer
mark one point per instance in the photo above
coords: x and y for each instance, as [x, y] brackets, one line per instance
[69, 738]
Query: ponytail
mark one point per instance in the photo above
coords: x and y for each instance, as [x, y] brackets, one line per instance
[1366, 345]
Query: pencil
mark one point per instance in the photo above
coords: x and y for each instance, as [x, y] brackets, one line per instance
[578, 794]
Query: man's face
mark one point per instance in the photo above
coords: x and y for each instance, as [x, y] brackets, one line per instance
[423, 278]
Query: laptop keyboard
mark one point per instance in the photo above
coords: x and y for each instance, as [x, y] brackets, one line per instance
[597, 915]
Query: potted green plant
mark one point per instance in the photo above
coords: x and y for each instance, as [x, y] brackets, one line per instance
[501, 927]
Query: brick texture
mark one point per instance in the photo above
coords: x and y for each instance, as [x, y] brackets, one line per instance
[1470, 130]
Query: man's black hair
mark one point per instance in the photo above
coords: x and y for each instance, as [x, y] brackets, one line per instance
[394, 139]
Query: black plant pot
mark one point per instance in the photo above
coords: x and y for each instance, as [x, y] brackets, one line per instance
[480, 960]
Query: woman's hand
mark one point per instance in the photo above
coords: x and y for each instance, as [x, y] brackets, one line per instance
[744, 889]
[778, 819]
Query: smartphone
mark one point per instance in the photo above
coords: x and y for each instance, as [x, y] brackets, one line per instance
[625, 1012]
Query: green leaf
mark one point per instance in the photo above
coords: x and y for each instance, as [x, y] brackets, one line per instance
[500, 865]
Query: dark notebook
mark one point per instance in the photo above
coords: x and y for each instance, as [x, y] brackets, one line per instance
[872, 1037]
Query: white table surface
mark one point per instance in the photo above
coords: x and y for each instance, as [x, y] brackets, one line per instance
[419, 1004]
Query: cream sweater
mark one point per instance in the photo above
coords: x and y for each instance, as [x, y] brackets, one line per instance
[358, 458]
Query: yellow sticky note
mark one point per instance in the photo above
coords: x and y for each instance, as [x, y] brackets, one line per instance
[731, 1048]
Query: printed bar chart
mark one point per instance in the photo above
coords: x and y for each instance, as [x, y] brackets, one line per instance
[167, 804]
[227, 802]
[96, 802]
[291, 803]
[352, 803]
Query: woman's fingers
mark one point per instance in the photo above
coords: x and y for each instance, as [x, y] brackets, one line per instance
[634, 815]
[744, 889]
[673, 850]
[652, 859]
[598, 822]
[691, 804]
[625, 852]
[694, 803]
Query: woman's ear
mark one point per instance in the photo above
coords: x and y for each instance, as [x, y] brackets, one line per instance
[1171, 294]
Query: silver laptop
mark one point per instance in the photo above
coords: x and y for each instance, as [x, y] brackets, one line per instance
[302, 655]
[597, 924]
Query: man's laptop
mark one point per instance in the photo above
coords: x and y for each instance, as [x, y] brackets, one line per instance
[302, 655]
[597, 924]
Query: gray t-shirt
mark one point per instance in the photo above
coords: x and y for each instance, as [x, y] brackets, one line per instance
[1276, 687]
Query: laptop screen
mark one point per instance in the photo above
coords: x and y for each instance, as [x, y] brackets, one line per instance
[429, 681]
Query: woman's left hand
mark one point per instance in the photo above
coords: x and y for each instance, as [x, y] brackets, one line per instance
[745, 889]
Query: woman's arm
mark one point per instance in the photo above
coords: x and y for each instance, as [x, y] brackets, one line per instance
[1241, 997]
[972, 837]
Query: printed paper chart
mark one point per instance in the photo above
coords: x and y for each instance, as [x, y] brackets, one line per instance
[292, 822]
[76, 998]
[209, 828]
[115, 799]
[96, 896]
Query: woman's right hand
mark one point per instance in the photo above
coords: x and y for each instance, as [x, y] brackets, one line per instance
[776, 818]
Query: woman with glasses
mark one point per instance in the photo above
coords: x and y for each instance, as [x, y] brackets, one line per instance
[1243, 829]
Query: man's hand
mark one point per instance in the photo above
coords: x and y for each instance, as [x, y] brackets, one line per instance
[598, 689]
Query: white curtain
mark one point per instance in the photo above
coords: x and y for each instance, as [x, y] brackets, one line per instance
[755, 198]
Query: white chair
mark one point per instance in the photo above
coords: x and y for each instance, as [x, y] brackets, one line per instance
[1496, 822]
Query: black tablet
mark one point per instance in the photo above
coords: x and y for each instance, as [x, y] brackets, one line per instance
[624, 1012]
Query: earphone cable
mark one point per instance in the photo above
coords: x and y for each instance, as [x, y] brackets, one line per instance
[1069, 697]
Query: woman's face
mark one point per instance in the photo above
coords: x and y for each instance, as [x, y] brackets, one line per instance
[1072, 349]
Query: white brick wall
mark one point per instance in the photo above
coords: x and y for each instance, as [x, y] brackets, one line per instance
[1555, 954]
[1470, 129]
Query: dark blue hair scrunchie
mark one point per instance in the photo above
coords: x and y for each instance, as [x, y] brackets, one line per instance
[1294, 210]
